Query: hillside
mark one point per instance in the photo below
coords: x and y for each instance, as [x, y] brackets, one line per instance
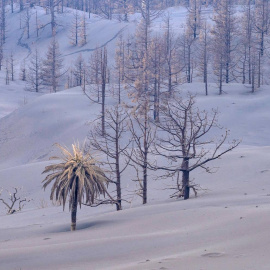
[224, 227]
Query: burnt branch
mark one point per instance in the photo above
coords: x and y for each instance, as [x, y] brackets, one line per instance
[13, 200]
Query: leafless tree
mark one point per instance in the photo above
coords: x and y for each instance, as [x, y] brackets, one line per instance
[21, 2]
[27, 18]
[12, 6]
[12, 66]
[23, 71]
[172, 64]
[157, 60]
[185, 141]
[52, 6]
[138, 73]
[7, 72]
[143, 135]
[1, 55]
[83, 30]
[149, 10]
[247, 42]
[224, 41]
[34, 74]
[120, 65]
[262, 25]
[262, 21]
[123, 7]
[14, 203]
[52, 66]
[188, 56]
[100, 73]
[79, 70]
[106, 8]
[75, 28]
[204, 52]
[194, 17]
[112, 144]
[3, 21]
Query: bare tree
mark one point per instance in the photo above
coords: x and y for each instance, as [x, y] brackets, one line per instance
[157, 59]
[262, 21]
[188, 53]
[223, 41]
[172, 66]
[12, 66]
[149, 11]
[1, 54]
[185, 142]
[113, 146]
[120, 65]
[100, 72]
[79, 70]
[194, 17]
[262, 24]
[53, 4]
[12, 6]
[38, 24]
[83, 30]
[204, 53]
[71, 82]
[34, 74]
[27, 18]
[21, 2]
[123, 9]
[75, 28]
[247, 42]
[15, 202]
[138, 69]
[106, 8]
[143, 134]
[7, 72]
[23, 71]
[52, 66]
[94, 75]
[3, 21]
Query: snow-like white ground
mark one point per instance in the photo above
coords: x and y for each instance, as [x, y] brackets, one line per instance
[225, 227]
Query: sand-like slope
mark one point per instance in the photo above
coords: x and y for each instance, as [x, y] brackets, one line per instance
[225, 227]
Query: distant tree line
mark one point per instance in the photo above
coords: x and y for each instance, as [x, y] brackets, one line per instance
[233, 47]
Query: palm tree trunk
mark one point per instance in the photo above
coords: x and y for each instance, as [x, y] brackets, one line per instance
[74, 209]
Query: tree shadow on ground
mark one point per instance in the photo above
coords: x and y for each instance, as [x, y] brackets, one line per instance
[83, 225]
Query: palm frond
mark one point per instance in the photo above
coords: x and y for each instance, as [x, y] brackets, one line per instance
[77, 173]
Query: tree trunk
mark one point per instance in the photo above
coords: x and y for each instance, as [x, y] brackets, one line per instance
[185, 178]
[144, 184]
[189, 65]
[12, 6]
[145, 158]
[220, 78]
[103, 86]
[117, 165]
[103, 108]
[227, 72]
[205, 73]
[259, 71]
[74, 209]
[118, 191]
[186, 188]
[53, 23]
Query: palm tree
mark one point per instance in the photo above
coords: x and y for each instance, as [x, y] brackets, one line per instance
[76, 176]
